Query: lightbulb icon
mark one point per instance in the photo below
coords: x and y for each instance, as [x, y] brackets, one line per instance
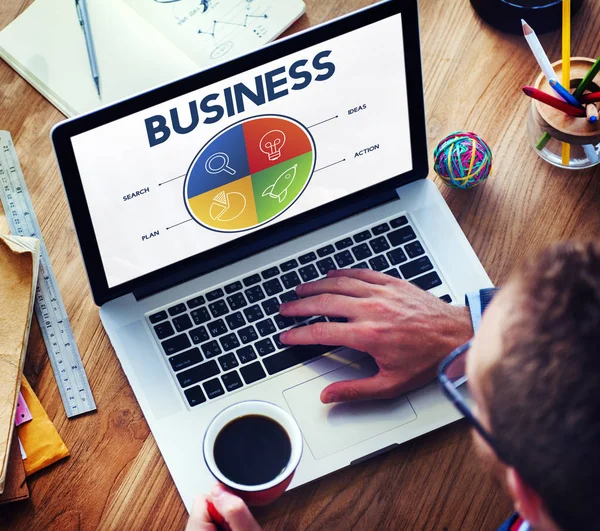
[271, 143]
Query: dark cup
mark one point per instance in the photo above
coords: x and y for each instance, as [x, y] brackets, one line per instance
[271, 460]
[506, 15]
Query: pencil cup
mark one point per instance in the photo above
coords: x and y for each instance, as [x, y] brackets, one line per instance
[549, 128]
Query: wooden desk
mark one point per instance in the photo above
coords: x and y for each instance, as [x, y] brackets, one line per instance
[116, 478]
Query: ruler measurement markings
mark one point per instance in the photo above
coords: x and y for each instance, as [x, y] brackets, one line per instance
[50, 311]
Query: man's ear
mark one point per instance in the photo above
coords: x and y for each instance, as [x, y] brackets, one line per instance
[527, 502]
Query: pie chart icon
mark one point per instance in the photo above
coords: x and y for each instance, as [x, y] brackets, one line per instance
[236, 183]
[227, 207]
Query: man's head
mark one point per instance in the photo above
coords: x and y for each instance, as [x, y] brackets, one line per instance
[534, 372]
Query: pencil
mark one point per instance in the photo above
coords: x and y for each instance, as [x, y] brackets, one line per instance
[538, 51]
[592, 97]
[589, 77]
[566, 66]
[545, 64]
[591, 153]
[591, 112]
[546, 98]
[564, 93]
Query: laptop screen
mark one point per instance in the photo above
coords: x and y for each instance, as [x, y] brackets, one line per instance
[203, 169]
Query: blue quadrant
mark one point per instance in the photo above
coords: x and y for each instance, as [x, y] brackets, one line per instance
[226, 157]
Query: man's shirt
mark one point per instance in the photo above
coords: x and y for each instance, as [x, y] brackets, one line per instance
[477, 303]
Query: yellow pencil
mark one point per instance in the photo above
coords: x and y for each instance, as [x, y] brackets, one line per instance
[566, 65]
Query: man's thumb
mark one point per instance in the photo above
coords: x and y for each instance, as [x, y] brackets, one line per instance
[377, 386]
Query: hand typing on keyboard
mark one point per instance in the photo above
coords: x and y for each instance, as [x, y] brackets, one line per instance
[405, 329]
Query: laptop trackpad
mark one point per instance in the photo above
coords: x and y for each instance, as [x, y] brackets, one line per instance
[329, 428]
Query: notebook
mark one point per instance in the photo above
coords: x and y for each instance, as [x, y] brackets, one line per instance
[139, 44]
[19, 260]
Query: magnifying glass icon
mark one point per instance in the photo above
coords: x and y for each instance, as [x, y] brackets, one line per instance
[217, 163]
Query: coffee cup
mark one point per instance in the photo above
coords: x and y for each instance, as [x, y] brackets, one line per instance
[253, 448]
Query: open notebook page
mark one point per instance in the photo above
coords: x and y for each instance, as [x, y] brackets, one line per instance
[46, 46]
[213, 31]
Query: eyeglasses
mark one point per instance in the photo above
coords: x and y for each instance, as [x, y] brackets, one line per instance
[453, 379]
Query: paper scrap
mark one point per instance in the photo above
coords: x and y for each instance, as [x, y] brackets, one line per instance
[23, 413]
[23, 454]
[41, 441]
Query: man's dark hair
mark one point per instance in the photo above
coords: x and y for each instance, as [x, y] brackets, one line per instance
[544, 397]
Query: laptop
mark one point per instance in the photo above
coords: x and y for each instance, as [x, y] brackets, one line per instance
[200, 206]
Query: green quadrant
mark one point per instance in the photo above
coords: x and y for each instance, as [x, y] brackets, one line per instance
[267, 206]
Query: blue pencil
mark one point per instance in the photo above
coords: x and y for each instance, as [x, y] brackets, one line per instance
[564, 93]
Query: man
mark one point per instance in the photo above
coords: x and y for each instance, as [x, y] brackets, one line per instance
[533, 371]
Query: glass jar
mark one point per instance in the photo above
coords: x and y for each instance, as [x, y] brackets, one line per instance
[548, 128]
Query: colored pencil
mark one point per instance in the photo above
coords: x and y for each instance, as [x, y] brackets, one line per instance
[591, 153]
[546, 98]
[589, 77]
[542, 59]
[538, 51]
[564, 93]
[591, 112]
[566, 69]
[592, 97]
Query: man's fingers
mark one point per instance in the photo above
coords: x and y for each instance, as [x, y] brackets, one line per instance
[233, 509]
[341, 285]
[199, 518]
[366, 275]
[377, 386]
[324, 304]
[331, 334]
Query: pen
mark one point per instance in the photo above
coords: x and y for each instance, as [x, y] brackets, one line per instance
[84, 20]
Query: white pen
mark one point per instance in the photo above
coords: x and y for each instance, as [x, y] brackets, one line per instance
[84, 20]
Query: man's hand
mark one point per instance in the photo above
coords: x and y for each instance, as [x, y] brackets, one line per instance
[233, 510]
[407, 330]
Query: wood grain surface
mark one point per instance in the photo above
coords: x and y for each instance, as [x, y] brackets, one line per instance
[115, 477]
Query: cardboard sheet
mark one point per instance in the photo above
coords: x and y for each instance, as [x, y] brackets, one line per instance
[19, 262]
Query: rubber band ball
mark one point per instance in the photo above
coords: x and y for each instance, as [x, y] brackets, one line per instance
[463, 160]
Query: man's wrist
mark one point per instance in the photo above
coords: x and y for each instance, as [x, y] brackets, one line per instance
[458, 330]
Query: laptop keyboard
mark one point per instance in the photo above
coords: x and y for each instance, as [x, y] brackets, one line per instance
[226, 338]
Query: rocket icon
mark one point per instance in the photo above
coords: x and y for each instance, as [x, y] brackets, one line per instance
[279, 189]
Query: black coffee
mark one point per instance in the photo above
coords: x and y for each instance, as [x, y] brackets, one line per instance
[252, 450]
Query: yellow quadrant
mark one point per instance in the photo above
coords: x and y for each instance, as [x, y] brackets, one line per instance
[229, 207]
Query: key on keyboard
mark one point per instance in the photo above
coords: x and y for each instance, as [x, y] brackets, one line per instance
[198, 373]
[232, 381]
[293, 356]
[176, 344]
[253, 372]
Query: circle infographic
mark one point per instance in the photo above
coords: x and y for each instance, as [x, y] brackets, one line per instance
[249, 173]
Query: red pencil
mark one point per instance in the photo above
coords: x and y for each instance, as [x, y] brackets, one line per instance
[590, 98]
[546, 98]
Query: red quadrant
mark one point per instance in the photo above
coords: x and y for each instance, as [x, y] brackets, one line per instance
[271, 141]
